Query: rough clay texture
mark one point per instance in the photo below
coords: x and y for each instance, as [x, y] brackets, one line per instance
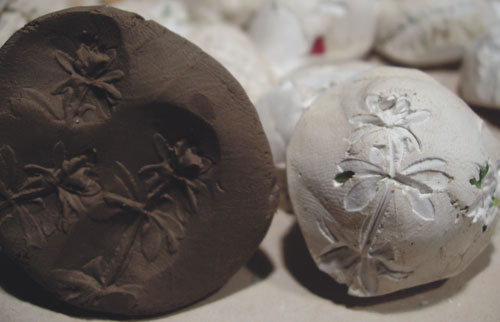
[394, 181]
[234, 50]
[286, 31]
[135, 176]
[479, 78]
[430, 33]
[281, 108]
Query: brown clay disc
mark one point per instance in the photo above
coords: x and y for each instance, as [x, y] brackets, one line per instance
[135, 177]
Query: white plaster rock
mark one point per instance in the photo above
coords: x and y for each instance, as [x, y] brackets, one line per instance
[394, 181]
[281, 108]
[429, 32]
[32, 9]
[480, 75]
[234, 50]
[285, 31]
[215, 11]
[3, 4]
[496, 7]
[10, 22]
[171, 14]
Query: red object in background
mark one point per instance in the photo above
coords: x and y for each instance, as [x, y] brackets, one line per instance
[318, 47]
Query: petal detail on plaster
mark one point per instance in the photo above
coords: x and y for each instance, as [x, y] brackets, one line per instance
[360, 167]
[422, 206]
[362, 194]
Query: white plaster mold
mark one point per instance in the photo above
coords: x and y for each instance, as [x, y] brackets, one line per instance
[10, 22]
[480, 74]
[237, 12]
[281, 107]
[394, 181]
[170, 14]
[286, 31]
[430, 33]
[235, 51]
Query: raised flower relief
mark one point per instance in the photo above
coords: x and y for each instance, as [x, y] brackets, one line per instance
[159, 198]
[180, 165]
[90, 72]
[71, 179]
[157, 225]
[485, 207]
[16, 201]
[91, 286]
[155, 198]
[21, 195]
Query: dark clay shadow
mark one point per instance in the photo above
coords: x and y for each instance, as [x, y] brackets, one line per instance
[304, 270]
[259, 266]
[489, 114]
[285, 203]
[18, 284]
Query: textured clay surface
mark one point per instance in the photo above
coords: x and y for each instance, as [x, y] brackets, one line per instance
[134, 174]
